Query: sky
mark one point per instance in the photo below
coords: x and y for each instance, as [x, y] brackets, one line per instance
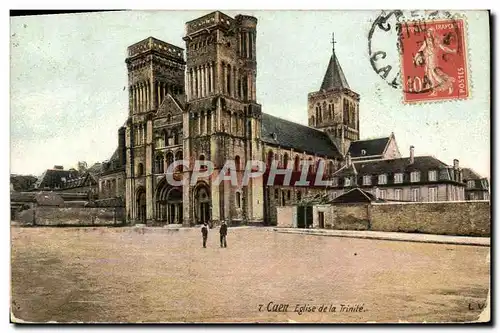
[69, 97]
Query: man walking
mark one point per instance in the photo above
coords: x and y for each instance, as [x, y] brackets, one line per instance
[223, 234]
[204, 233]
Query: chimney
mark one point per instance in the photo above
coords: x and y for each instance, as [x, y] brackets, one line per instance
[58, 167]
[456, 165]
[348, 159]
[412, 154]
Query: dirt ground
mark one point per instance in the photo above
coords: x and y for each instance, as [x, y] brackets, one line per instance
[148, 275]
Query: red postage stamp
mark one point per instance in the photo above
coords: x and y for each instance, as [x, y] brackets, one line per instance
[434, 60]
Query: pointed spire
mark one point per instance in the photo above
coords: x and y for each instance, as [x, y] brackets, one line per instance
[334, 76]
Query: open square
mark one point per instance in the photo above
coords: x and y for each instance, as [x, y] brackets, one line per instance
[164, 275]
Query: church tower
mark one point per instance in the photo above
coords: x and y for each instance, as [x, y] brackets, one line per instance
[334, 109]
[222, 118]
[155, 71]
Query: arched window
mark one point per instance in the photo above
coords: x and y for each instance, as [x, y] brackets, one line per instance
[310, 164]
[285, 161]
[296, 164]
[270, 158]
[175, 134]
[178, 157]
[238, 199]
[237, 162]
[170, 159]
[228, 79]
[331, 167]
[159, 165]
[312, 121]
[140, 169]
[316, 167]
[202, 166]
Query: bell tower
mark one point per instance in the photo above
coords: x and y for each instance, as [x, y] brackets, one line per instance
[222, 119]
[155, 69]
[334, 109]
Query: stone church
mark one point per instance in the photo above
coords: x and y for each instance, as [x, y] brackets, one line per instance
[204, 107]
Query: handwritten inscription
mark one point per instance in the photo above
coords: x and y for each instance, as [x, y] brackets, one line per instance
[310, 308]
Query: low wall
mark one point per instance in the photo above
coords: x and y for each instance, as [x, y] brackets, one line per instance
[460, 218]
[71, 216]
[286, 216]
[351, 217]
[467, 218]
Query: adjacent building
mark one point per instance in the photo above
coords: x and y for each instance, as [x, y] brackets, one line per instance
[476, 187]
[205, 107]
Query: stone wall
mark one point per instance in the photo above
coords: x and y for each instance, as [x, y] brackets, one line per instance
[350, 217]
[471, 218]
[71, 216]
[287, 216]
[461, 218]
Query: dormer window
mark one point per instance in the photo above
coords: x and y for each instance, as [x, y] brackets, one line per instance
[398, 178]
[471, 184]
[335, 181]
[367, 180]
[432, 175]
[347, 181]
[415, 176]
[363, 152]
[382, 179]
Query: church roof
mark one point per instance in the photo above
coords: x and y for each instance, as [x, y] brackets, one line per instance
[371, 147]
[284, 133]
[334, 76]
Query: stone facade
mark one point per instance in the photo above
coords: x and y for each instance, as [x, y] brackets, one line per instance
[205, 107]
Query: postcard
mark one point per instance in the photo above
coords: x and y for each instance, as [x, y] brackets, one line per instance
[250, 167]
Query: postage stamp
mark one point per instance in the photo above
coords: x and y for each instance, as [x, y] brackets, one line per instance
[433, 60]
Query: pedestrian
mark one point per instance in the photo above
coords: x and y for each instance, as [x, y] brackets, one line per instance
[204, 233]
[223, 234]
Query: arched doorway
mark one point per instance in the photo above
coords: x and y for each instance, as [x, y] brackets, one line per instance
[202, 203]
[141, 204]
[168, 203]
[174, 206]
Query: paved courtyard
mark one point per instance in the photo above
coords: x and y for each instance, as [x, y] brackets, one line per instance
[151, 275]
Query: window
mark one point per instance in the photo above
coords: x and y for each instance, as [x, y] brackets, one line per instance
[415, 176]
[382, 194]
[288, 195]
[398, 178]
[415, 194]
[347, 181]
[433, 194]
[398, 194]
[382, 179]
[432, 175]
[283, 201]
[470, 184]
[363, 152]
[299, 196]
[238, 199]
[140, 169]
[276, 194]
[367, 180]
[335, 181]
